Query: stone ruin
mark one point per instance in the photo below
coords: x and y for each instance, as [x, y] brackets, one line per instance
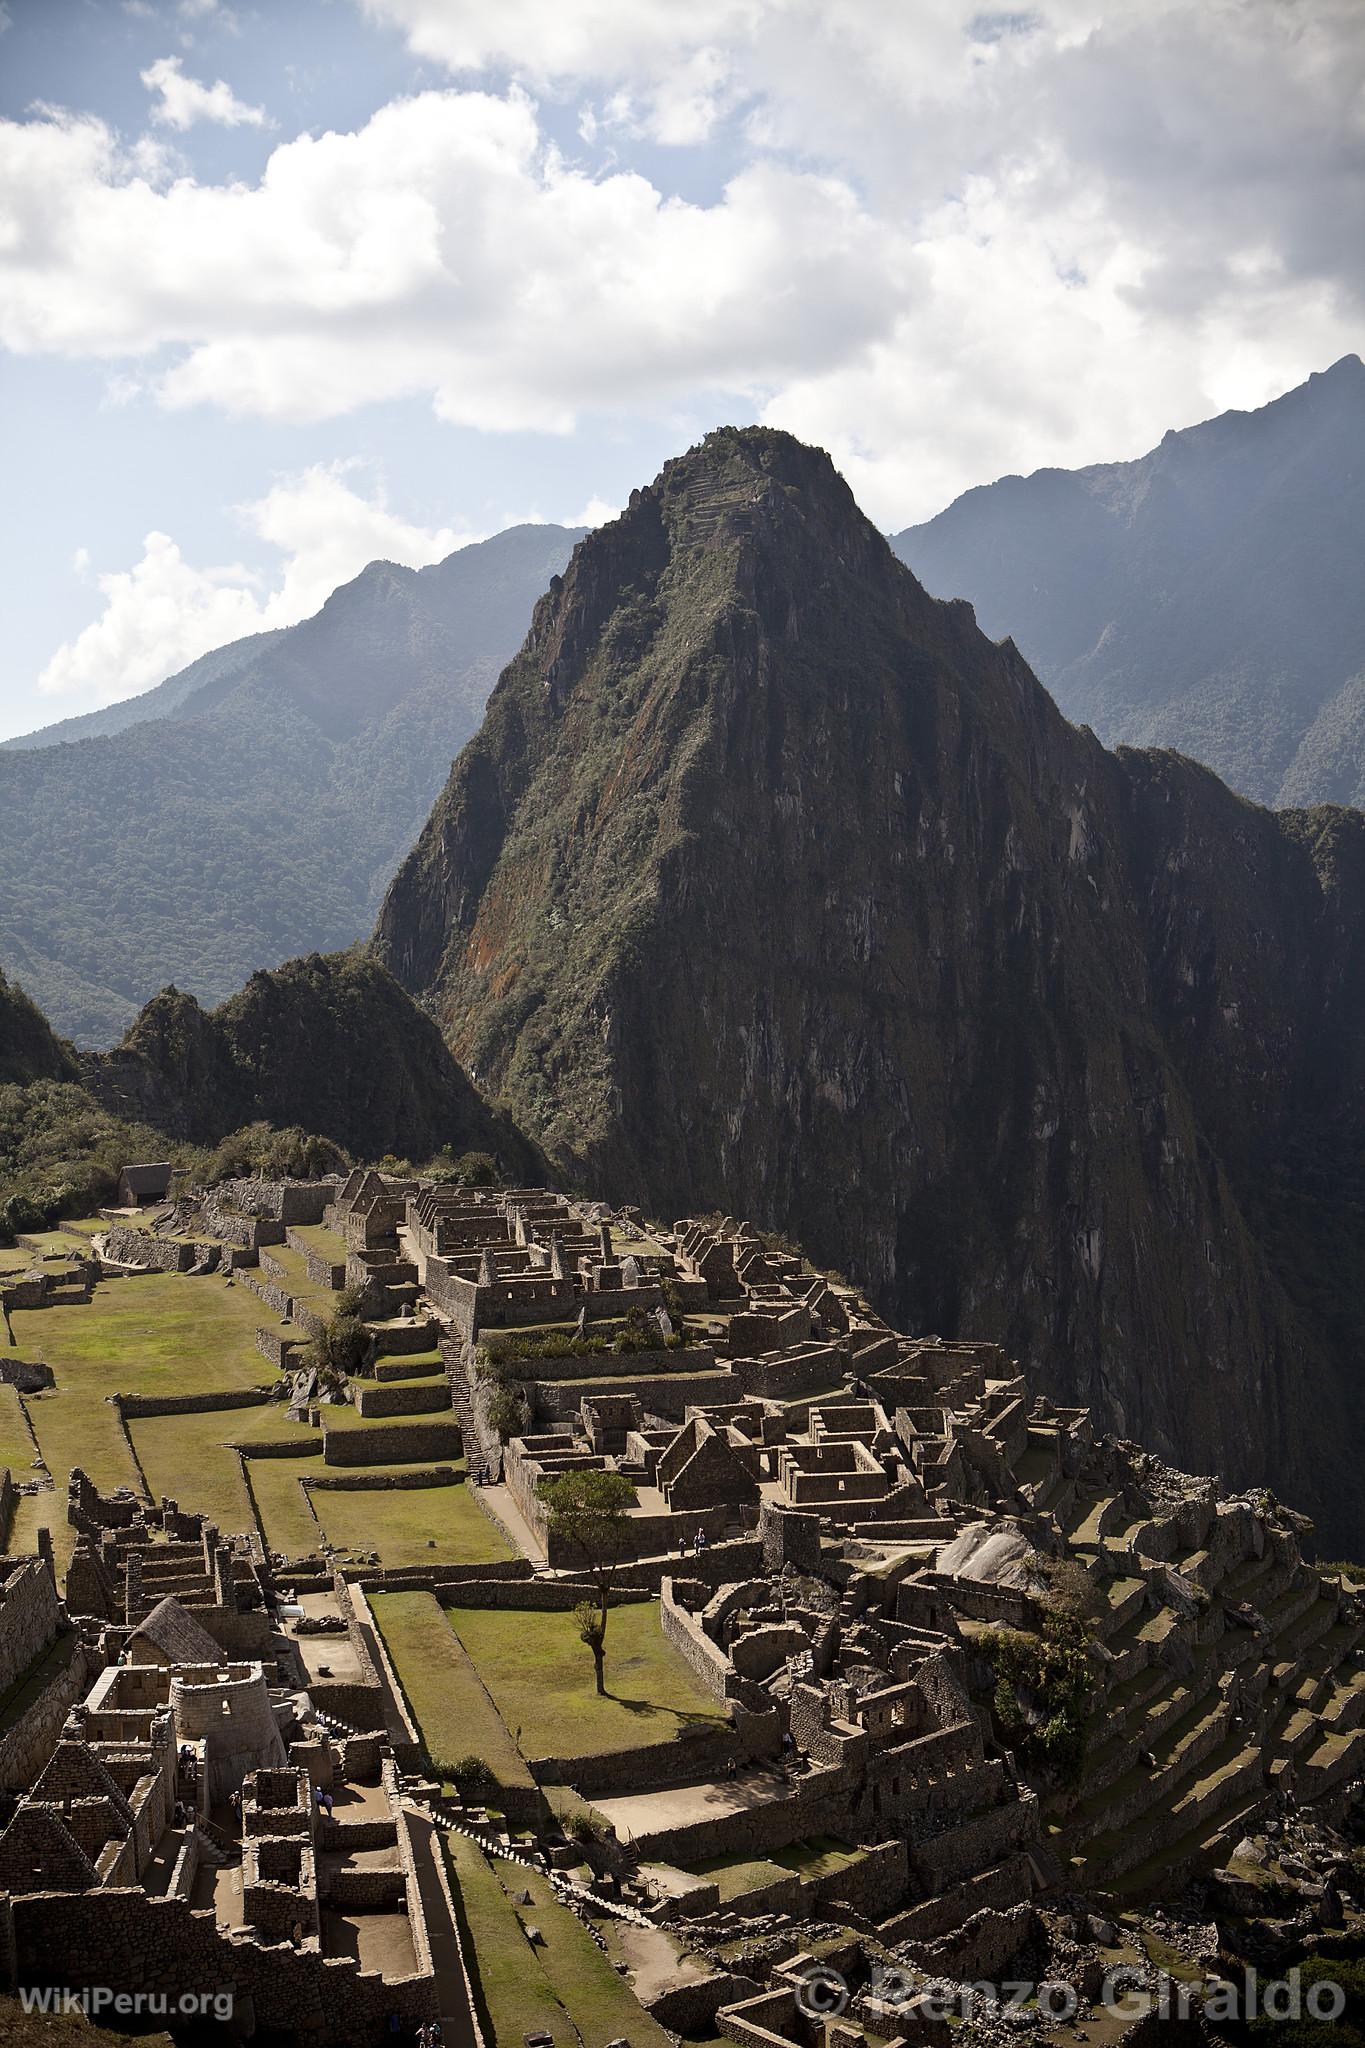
[184, 1815]
[851, 1532]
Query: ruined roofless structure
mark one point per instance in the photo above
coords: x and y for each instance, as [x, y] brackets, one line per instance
[858, 1543]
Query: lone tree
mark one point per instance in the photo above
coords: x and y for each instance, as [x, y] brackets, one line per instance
[588, 1516]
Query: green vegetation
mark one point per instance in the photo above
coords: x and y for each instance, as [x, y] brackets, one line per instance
[190, 1457]
[287, 1522]
[1347, 2032]
[161, 1333]
[262, 818]
[411, 1525]
[1043, 1689]
[735, 1875]
[634, 1333]
[521, 1989]
[447, 1701]
[588, 1517]
[534, 1668]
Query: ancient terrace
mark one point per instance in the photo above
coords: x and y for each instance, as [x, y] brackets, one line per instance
[900, 1659]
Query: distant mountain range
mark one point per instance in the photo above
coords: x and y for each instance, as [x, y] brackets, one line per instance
[772, 885]
[1209, 597]
[254, 806]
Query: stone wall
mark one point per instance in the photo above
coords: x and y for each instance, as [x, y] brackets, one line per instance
[281, 1201]
[819, 1804]
[618, 1368]
[706, 1660]
[278, 1297]
[393, 1443]
[1003, 1884]
[698, 1750]
[668, 1394]
[130, 1247]
[988, 1838]
[690, 2008]
[402, 1397]
[29, 1616]
[29, 1741]
[26, 1376]
[322, 1271]
[129, 1941]
[134, 1406]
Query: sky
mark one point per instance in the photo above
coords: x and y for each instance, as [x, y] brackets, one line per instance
[287, 287]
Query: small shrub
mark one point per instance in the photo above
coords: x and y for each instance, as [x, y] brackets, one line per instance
[472, 1776]
[507, 1413]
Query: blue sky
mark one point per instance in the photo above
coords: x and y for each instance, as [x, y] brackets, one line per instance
[285, 287]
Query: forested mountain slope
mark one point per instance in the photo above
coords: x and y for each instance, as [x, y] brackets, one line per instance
[263, 814]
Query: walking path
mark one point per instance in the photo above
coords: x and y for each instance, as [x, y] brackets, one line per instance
[447, 1959]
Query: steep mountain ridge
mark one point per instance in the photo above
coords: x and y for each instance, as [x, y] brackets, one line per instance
[261, 810]
[332, 1045]
[29, 1048]
[770, 883]
[1207, 596]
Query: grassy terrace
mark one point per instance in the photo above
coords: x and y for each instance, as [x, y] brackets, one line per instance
[322, 1300]
[159, 1334]
[188, 1457]
[540, 1676]
[402, 1526]
[287, 1522]
[443, 1691]
[565, 1987]
[16, 1446]
[735, 1875]
[318, 1238]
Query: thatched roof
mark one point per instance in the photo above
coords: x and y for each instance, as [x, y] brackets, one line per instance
[173, 1632]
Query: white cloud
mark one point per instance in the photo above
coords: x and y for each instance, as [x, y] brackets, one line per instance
[596, 512]
[956, 239]
[182, 101]
[164, 612]
[443, 249]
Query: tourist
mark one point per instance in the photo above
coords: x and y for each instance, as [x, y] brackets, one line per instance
[327, 1804]
[296, 1934]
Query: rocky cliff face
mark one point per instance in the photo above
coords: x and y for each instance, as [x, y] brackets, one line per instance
[770, 883]
[1207, 596]
[331, 1044]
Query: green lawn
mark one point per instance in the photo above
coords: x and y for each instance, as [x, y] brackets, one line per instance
[511, 1989]
[600, 2003]
[399, 1524]
[16, 1446]
[318, 1238]
[563, 1986]
[735, 1875]
[450, 1706]
[160, 1334]
[321, 1300]
[287, 1521]
[541, 1677]
[187, 1458]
